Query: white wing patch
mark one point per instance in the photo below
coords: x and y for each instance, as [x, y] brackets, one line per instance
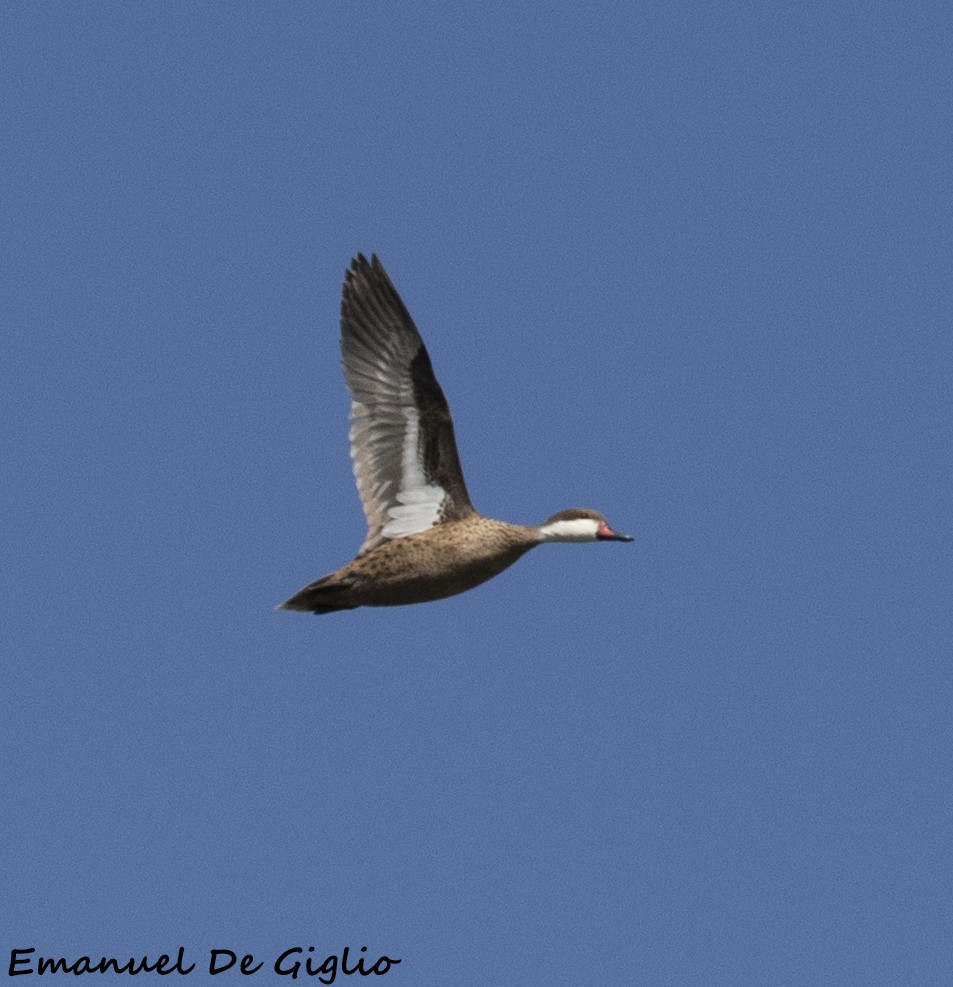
[416, 504]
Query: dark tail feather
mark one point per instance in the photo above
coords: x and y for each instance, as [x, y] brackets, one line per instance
[318, 597]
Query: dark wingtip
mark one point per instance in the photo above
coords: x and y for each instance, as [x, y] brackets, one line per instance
[360, 262]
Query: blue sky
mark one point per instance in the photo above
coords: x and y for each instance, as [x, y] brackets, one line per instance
[686, 264]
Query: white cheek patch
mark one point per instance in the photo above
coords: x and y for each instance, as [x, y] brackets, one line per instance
[578, 529]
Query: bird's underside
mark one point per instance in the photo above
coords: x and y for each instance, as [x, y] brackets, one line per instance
[415, 569]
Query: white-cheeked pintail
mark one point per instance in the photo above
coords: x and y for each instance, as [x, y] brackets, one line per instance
[424, 541]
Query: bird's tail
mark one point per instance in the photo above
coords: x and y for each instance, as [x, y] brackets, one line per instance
[319, 597]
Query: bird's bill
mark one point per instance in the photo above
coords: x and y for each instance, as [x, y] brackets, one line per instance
[605, 533]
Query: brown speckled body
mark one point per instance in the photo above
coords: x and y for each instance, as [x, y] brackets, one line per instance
[429, 565]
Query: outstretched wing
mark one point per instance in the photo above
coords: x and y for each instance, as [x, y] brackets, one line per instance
[402, 444]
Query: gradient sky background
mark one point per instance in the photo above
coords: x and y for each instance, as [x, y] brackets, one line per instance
[687, 264]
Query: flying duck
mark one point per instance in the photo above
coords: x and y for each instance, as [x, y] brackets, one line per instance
[424, 539]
